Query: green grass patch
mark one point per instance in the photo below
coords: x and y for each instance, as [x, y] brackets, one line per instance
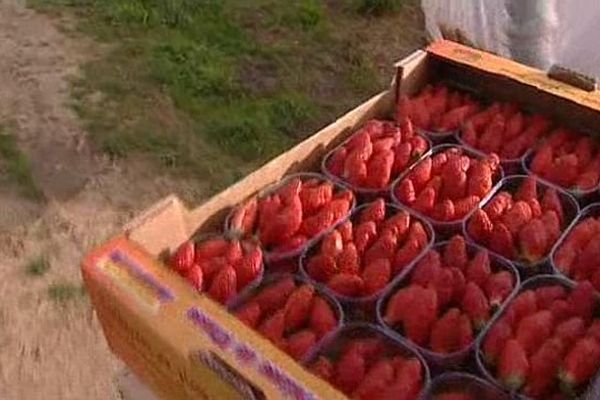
[37, 266]
[15, 167]
[62, 292]
[379, 7]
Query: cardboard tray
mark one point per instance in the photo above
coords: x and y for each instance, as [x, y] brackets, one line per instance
[185, 346]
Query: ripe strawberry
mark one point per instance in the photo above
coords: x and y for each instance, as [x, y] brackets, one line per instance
[183, 258]
[348, 261]
[345, 230]
[534, 329]
[552, 202]
[195, 276]
[275, 295]
[407, 129]
[290, 191]
[514, 125]
[268, 208]
[405, 191]
[400, 302]
[297, 307]
[245, 217]
[421, 173]
[313, 198]
[249, 314]
[332, 244]
[523, 305]
[406, 254]
[322, 317]
[475, 305]
[346, 284]
[513, 368]
[491, 139]
[355, 169]
[544, 365]
[384, 247]
[445, 336]
[223, 286]
[349, 371]
[534, 241]
[588, 260]
[455, 253]
[402, 157]
[318, 223]
[464, 206]
[427, 268]
[583, 300]
[418, 233]
[545, 295]
[498, 204]
[443, 284]
[383, 144]
[528, 189]
[234, 252]
[420, 315]
[398, 224]
[480, 227]
[322, 368]
[375, 211]
[438, 161]
[407, 383]
[587, 180]
[479, 179]
[375, 380]
[570, 330]
[584, 150]
[370, 348]
[444, 211]
[419, 146]
[581, 363]
[379, 170]
[288, 245]
[248, 267]
[425, 201]
[364, 235]
[272, 328]
[517, 216]
[565, 170]
[536, 208]
[321, 267]
[495, 341]
[335, 164]
[479, 269]
[469, 134]
[376, 275]
[501, 241]
[560, 309]
[498, 287]
[341, 199]
[361, 144]
[300, 343]
[283, 225]
[594, 330]
[459, 284]
[542, 160]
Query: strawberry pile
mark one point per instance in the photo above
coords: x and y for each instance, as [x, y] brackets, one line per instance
[578, 256]
[569, 160]
[362, 255]
[546, 339]
[447, 185]
[437, 109]
[300, 210]
[219, 267]
[293, 316]
[369, 368]
[523, 226]
[376, 154]
[448, 297]
[504, 130]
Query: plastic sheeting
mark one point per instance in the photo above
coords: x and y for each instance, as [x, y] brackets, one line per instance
[535, 32]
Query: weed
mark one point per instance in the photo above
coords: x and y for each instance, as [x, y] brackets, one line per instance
[64, 292]
[378, 7]
[16, 167]
[37, 266]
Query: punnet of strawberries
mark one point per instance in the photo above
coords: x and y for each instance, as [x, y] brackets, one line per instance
[463, 386]
[292, 314]
[450, 295]
[437, 109]
[376, 154]
[504, 130]
[218, 266]
[578, 255]
[362, 255]
[523, 225]
[547, 341]
[298, 210]
[449, 184]
[365, 364]
[568, 159]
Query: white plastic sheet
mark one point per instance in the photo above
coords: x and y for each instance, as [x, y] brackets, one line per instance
[536, 32]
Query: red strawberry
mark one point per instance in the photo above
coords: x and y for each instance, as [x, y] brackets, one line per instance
[594, 330]
[322, 368]
[355, 169]
[275, 295]
[570, 330]
[406, 254]
[459, 284]
[272, 328]
[479, 179]
[195, 276]
[498, 287]
[479, 269]
[349, 371]
[313, 198]
[583, 300]
[345, 230]
[420, 315]
[523, 305]
[268, 208]
[332, 244]
[560, 309]
[418, 233]
[321, 267]
[402, 157]
[291, 244]
[491, 139]
[516, 217]
[542, 160]
[514, 125]
[209, 249]
[455, 253]
[223, 286]
[297, 307]
[495, 340]
[342, 200]
[398, 224]
[479, 226]
[419, 146]
[290, 191]
[383, 144]
[407, 384]
[444, 211]
[245, 217]
[335, 164]
[437, 163]
[249, 314]
[513, 368]
[318, 223]
[534, 329]
[584, 150]
[565, 170]
[469, 135]
[497, 205]
[587, 180]
[300, 343]
[475, 305]
[400, 302]
[425, 201]
[384, 247]
[405, 192]
[534, 241]
[346, 284]
[376, 275]
[364, 235]
[376, 380]
[528, 189]
[407, 129]
[348, 261]
[455, 181]
[545, 295]
[375, 211]
[322, 317]
[379, 170]
[283, 225]
[464, 206]
[544, 365]
[536, 208]
[552, 202]
[361, 144]
[445, 336]
[421, 173]
[588, 260]
[183, 258]
[427, 268]
[581, 363]
[444, 286]
[501, 241]
[249, 267]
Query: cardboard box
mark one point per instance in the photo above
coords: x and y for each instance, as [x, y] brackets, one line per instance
[185, 346]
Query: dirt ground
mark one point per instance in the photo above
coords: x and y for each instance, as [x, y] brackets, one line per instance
[50, 350]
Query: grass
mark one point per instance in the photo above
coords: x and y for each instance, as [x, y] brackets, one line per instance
[379, 7]
[62, 292]
[37, 266]
[15, 167]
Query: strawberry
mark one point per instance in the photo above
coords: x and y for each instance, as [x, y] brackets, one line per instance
[418, 233]
[335, 163]
[288, 245]
[420, 315]
[283, 225]
[234, 252]
[443, 284]
[453, 119]
[342, 199]
[405, 191]
[421, 173]
[536, 208]
[542, 160]
[560, 309]
[427, 268]
[407, 129]
[479, 269]
[373, 212]
[459, 284]
[584, 150]
[425, 201]
[583, 300]
[245, 217]
[588, 260]
[580, 363]
[183, 258]
[195, 276]
[475, 305]
[464, 206]
[364, 235]
[491, 139]
[594, 330]
[498, 204]
[355, 169]
[587, 180]
[444, 211]
[321, 267]
[516, 217]
[376, 275]
[322, 317]
[514, 125]
[361, 144]
[268, 208]
[438, 161]
[379, 170]
[469, 135]
[402, 157]
[480, 227]
[297, 307]
[332, 244]
[248, 267]
[479, 179]
[370, 348]
[249, 314]
[318, 223]
[400, 302]
[223, 286]
[272, 328]
[552, 202]
[383, 145]
[345, 230]
[419, 146]
[564, 170]
[407, 383]
[523, 305]
[445, 336]
[527, 190]
[398, 224]
[375, 380]
[348, 261]
[346, 284]
[545, 295]
[513, 367]
[290, 191]
[275, 295]
[455, 252]
[313, 198]
[501, 241]
[300, 343]
[349, 371]
[534, 329]
[498, 287]
[534, 241]
[544, 365]
[570, 330]
[406, 254]
[322, 368]
[495, 341]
